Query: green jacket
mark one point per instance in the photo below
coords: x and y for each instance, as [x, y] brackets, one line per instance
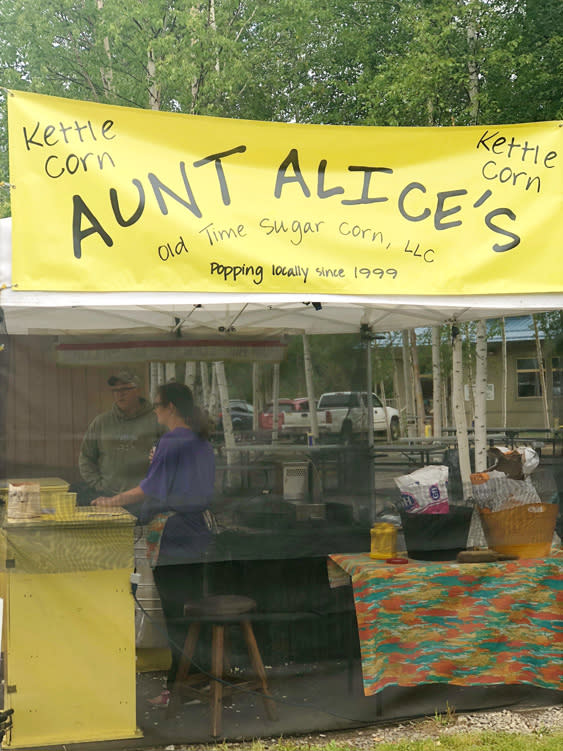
[114, 455]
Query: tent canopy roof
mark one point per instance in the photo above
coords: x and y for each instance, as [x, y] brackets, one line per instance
[231, 315]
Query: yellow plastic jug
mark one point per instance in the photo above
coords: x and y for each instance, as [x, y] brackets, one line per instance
[383, 540]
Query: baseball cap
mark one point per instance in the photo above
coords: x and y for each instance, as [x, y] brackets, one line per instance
[124, 376]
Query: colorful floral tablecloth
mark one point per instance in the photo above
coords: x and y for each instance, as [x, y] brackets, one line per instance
[466, 624]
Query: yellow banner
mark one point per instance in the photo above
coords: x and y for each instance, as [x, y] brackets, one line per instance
[110, 198]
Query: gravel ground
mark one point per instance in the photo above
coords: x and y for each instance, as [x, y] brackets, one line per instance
[546, 719]
[528, 721]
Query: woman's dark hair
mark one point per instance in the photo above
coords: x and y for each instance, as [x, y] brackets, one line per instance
[182, 398]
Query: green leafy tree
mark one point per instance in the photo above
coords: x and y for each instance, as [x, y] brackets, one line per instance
[390, 62]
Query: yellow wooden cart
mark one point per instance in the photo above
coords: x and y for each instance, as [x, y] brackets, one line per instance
[69, 628]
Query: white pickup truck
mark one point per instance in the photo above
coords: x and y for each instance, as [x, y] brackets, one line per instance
[344, 414]
[340, 414]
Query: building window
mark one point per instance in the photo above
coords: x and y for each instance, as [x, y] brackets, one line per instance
[557, 367]
[528, 377]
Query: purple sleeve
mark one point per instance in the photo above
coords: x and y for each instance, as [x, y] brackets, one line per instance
[155, 483]
[182, 471]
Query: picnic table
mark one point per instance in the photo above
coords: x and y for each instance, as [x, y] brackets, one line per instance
[413, 451]
[534, 437]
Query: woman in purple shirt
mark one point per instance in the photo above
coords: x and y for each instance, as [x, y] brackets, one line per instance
[176, 493]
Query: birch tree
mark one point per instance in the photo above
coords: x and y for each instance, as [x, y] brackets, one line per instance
[408, 386]
[541, 371]
[459, 411]
[504, 357]
[469, 365]
[310, 387]
[256, 395]
[481, 397]
[415, 371]
[436, 383]
[382, 395]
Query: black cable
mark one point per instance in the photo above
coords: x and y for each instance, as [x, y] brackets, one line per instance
[358, 722]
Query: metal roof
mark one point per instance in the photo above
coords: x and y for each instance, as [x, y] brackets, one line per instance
[517, 328]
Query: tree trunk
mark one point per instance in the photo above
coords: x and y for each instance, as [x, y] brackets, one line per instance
[106, 74]
[470, 371]
[169, 372]
[189, 375]
[213, 25]
[409, 400]
[397, 392]
[308, 363]
[214, 396]
[221, 379]
[256, 399]
[197, 79]
[541, 368]
[275, 402]
[473, 71]
[481, 397]
[382, 390]
[154, 88]
[504, 375]
[419, 400]
[155, 378]
[384, 402]
[446, 403]
[459, 412]
[205, 388]
[436, 383]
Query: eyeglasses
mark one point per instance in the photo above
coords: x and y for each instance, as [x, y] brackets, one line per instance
[123, 389]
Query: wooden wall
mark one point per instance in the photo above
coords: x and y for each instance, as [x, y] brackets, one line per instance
[47, 408]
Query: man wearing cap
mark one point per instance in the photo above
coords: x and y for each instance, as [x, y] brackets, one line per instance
[114, 455]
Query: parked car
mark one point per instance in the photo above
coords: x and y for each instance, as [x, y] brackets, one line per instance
[241, 415]
[344, 414]
[293, 416]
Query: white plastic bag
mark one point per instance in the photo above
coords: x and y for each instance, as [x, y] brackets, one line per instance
[530, 459]
[425, 491]
[495, 491]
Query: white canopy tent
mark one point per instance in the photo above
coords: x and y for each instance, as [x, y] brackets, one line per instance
[244, 315]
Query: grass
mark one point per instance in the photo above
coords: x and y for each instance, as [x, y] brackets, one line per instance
[489, 741]
[486, 741]
[446, 718]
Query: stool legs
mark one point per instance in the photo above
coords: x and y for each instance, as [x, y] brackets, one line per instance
[258, 665]
[216, 688]
[188, 653]
[220, 665]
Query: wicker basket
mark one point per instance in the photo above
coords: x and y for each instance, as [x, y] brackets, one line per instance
[523, 531]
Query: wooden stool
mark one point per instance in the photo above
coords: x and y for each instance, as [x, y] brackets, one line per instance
[220, 611]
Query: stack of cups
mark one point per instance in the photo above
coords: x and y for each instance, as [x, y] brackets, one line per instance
[65, 506]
